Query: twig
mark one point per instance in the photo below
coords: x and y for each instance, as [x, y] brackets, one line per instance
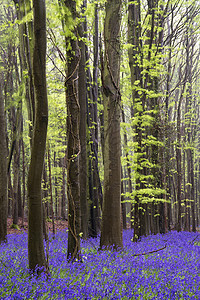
[56, 66]
[7, 267]
[150, 252]
[194, 239]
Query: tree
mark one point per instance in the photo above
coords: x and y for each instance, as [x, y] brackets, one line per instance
[3, 169]
[82, 130]
[135, 58]
[73, 140]
[35, 233]
[111, 232]
[160, 112]
[94, 184]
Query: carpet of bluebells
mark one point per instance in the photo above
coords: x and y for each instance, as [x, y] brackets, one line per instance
[170, 273]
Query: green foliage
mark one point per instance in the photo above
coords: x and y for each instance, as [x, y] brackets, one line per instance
[15, 226]
[27, 18]
[147, 113]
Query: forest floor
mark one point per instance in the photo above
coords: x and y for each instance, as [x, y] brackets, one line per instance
[162, 266]
[59, 225]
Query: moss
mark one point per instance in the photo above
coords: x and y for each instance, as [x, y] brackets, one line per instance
[15, 226]
[48, 219]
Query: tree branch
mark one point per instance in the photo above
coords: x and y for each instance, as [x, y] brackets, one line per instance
[150, 252]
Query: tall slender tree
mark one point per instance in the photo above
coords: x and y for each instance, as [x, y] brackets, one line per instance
[35, 233]
[135, 60]
[111, 233]
[73, 121]
[82, 129]
[3, 168]
[95, 191]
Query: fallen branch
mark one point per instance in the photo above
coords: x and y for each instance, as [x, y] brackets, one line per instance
[150, 252]
[7, 267]
[194, 239]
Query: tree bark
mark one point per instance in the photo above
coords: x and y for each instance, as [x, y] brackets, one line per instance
[111, 234]
[50, 188]
[26, 53]
[123, 203]
[3, 170]
[73, 139]
[82, 133]
[128, 167]
[191, 174]
[134, 38]
[35, 233]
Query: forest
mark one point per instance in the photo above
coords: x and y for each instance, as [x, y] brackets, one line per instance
[99, 129]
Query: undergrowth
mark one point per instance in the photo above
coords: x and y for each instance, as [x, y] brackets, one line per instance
[158, 267]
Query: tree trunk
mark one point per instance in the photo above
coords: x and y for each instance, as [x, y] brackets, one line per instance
[35, 233]
[82, 133]
[128, 166]
[94, 184]
[111, 234]
[178, 164]
[56, 185]
[50, 188]
[63, 190]
[24, 183]
[73, 145]
[179, 153]
[191, 172]
[135, 55]
[123, 203]
[26, 53]
[3, 170]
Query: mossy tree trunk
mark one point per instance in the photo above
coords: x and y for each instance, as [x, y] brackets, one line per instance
[73, 145]
[35, 230]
